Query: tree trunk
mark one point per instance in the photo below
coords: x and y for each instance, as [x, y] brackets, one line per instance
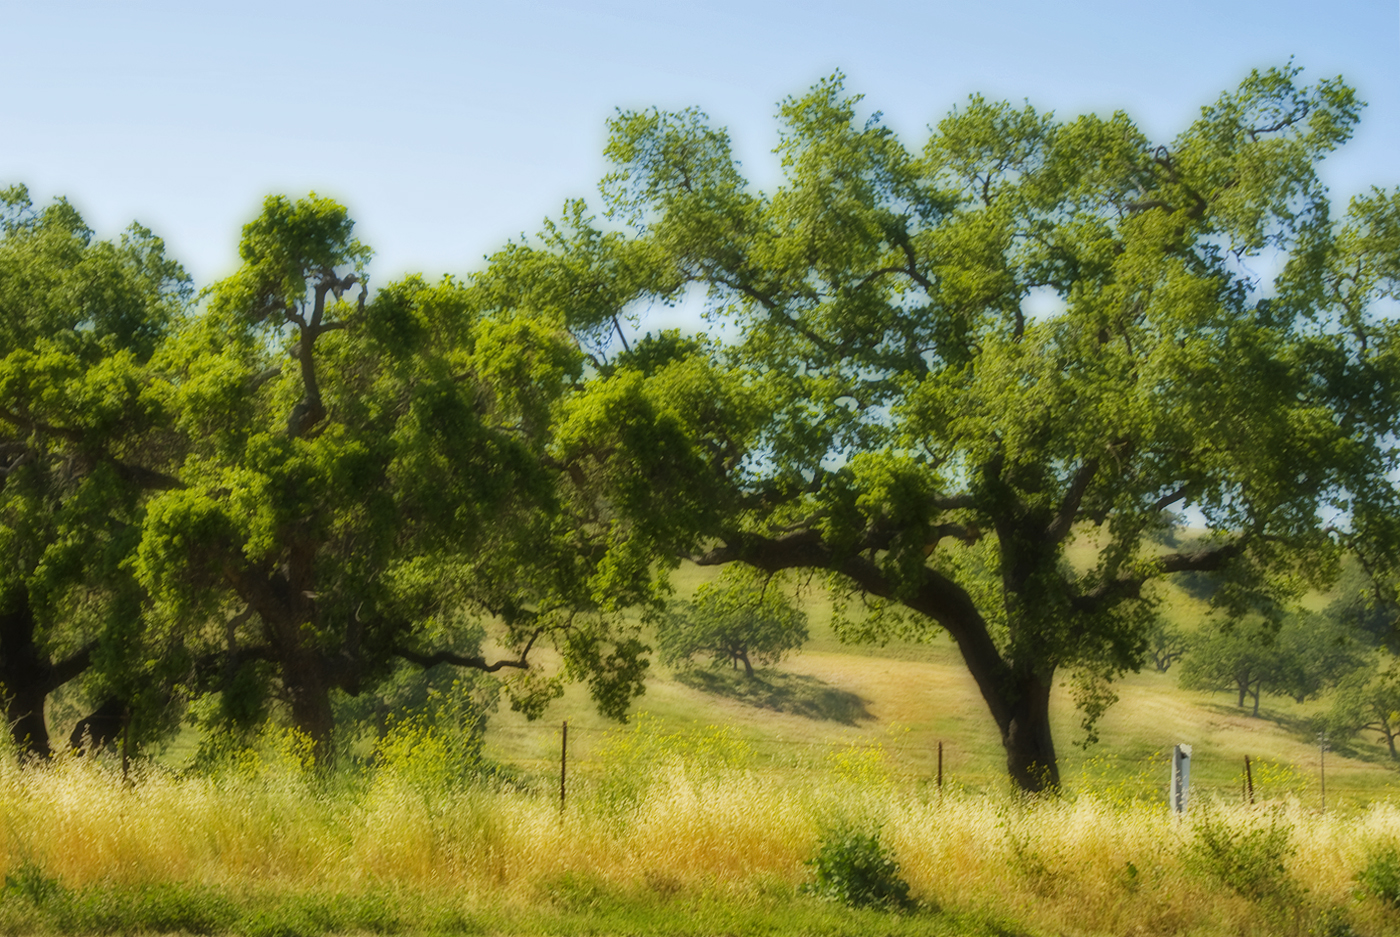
[1255, 693]
[24, 676]
[101, 727]
[285, 603]
[1026, 736]
[305, 679]
[24, 711]
[743, 657]
[1019, 700]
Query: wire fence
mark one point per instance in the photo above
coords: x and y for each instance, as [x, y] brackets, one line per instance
[917, 762]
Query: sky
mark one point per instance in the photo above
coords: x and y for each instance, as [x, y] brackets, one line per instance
[449, 128]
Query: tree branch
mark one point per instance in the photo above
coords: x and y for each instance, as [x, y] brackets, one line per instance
[68, 668]
[448, 657]
[1063, 522]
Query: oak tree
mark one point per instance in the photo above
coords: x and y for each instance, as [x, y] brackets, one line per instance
[81, 445]
[361, 473]
[941, 368]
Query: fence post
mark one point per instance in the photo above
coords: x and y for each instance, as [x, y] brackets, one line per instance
[1248, 780]
[940, 767]
[126, 746]
[1181, 778]
[1322, 765]
[563, 763]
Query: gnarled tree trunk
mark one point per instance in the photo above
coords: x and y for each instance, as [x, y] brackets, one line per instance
[27, 677]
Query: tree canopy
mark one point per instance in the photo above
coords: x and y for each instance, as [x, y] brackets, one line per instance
[80, 319]
[944, 366]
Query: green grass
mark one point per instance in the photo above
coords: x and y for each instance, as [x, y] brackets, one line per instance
[569, 904]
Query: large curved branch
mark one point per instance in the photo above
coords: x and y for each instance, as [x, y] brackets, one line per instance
[142, 477]
[1063, 523]
[69, 668]
[1130, 587]
[448, 657]
[935, 596]
[33, 425]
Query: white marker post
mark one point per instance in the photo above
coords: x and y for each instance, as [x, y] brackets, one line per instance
[1181, 778]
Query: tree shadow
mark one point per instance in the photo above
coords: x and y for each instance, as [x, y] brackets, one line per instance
[793, 693]
[1304, 729]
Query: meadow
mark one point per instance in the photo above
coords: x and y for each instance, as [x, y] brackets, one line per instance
[707, 812]
[682, 834]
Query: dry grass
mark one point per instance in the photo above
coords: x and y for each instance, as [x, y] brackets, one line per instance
[677, 816]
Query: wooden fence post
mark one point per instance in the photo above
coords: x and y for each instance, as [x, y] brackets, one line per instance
[563, 763]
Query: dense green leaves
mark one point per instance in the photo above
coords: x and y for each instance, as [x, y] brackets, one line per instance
[1029, 340]
[738, 620]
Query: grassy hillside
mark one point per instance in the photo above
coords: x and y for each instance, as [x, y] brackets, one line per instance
[906, 698]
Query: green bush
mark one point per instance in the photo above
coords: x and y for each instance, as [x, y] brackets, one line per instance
[855, 869]
[1249, 861]
[1381, 877]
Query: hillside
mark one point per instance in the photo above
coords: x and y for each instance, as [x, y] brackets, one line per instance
[906, 698]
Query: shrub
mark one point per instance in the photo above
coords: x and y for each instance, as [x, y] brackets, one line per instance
[855, 869]
[1248, 861]
[1381, 877]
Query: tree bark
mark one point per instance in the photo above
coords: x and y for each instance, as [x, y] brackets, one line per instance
[284, 601]
[304, 678]
[1026, 736]
[26, 677]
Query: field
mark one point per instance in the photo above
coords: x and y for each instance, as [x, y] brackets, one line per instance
[703, 816]
[907, 698]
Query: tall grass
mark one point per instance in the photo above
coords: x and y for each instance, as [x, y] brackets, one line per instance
[672, 820]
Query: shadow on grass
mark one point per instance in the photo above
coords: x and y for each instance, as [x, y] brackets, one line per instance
[793, 693]
[1304, 728]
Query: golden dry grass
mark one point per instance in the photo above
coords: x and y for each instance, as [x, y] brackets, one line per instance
[675, 814]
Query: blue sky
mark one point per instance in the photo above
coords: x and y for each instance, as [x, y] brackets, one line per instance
[450, 127]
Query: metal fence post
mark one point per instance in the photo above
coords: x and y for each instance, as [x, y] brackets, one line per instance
[1180, 779]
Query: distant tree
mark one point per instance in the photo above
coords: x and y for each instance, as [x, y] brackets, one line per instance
[1317, 652]
[1238, 659]
[1368, 700]
[740, 619]
[1166, 644]
[1366, 607]
[1300, 659]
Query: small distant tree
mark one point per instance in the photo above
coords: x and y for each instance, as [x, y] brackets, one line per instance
[1368, 700]
[1166, 644]
[1237, 659]
[1306, 655]
[740, 619]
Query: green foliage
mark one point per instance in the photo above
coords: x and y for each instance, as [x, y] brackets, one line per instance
[855, 869]
[1381, 876]
[932, 443]
[1247, 859]
[1368, 700]
[1307, 654]
[82, 443]
[165, 908]
[1166, 644]
[739, 619]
